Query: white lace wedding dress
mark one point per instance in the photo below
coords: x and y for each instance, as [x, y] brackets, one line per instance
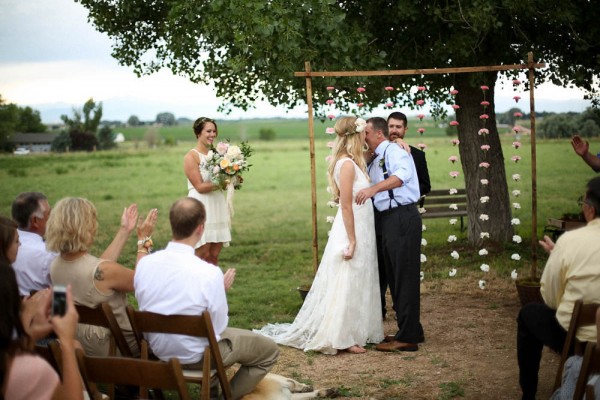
[343, 307]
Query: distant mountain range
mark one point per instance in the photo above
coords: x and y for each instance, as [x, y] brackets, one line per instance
[120, 109]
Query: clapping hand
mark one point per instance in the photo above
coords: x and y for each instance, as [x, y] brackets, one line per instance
[580, 146]
[129, 218]
[547, 244]
[146, 227]
[228, 278]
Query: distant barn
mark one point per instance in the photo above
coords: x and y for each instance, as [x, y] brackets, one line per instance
[34, 142]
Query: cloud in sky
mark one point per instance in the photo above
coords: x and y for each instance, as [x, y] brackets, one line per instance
[51, 58]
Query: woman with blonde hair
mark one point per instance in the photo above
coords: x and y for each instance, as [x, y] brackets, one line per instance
[342, 310]
[70, 231]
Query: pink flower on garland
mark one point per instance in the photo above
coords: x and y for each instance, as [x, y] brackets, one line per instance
[361, 89]
[421, 130]
[516, 158]
[455, 142]
[331, 117]
[421, 116]
[330, 88]
[516, 82]
[518, 114]
[453, 123]
[484, 116]
[517, 128]
[420, 102]
[330, 145]
[455, 106]
[485, 147]
[452, 159]
[453, 174]
[516, 145]
[360, 104]
[422, 146]
[389, 104]
[389, 88]
[454, 92]
[484, 164]
[483, 131]
[517, 98]
[485, 103]
[484, 87]
[328, 158]
[421, 88]
[330, 102]
[330, 131]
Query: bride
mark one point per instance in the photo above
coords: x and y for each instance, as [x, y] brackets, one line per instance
[342, 311]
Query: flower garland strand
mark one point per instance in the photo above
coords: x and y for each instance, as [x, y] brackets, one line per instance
[516, 177]
[453, 174]
[484, 181]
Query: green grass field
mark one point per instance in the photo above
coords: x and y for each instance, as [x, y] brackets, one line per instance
[271, 246]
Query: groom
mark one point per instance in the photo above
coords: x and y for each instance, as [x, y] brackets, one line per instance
[395, 192]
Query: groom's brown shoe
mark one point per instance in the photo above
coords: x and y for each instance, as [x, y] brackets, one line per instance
[395, 345]
[390, 338]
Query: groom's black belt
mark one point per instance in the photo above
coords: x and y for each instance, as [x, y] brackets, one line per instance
[395, 209]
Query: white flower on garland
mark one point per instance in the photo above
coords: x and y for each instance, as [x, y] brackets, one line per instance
[516, 206]
[515, 221]
[330, 219]
[332, 204]
[423, 242]
[423, 258]
[422, 210]
[453, 207]
[452, 272]
[453, 221]
[484, 217]
[423, 228]
[329, 190]
[422, 275]
[517, 239]
[485, 268]
[484, 181]
[516, 177]
[481, 284]
[515, 257]
[514, 275]
[484, 235]
[455, 255]
[483, 252]
[516, 193]
[484, 199]
[451, 238]
[453, 191]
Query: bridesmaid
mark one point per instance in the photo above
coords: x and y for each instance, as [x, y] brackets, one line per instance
[217, 227]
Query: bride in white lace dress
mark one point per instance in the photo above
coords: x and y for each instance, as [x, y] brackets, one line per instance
[342, 311]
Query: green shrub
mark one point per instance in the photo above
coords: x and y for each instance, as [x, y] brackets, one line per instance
[266, 134]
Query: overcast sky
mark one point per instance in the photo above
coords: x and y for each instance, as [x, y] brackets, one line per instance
[52, 59]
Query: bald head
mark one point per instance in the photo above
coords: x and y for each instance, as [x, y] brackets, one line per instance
[186, 215]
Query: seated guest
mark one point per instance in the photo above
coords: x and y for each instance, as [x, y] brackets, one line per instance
[31, 210]
[175, 281]
[94, 280]
[9, 241]
[24, 374]
[571, 272]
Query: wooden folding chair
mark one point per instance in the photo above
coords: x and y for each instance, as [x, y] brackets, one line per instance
[190, 325]
[583, 315]
[104, 316]
[130, 371]
[590, 367]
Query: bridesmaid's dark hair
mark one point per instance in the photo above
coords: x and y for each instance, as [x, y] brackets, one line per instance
[8, 230]
[13, 337]
[200, 123]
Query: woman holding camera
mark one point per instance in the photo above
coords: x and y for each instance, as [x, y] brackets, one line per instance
[70, 231]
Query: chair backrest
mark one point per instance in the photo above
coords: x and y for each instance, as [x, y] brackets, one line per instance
[190, 325]
[583, 315]
[130, 371]
[590, 366]
[104, 316]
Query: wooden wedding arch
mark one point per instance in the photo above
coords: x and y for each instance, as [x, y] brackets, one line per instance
[308, 74]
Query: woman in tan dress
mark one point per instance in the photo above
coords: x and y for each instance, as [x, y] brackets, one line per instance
[94, 280]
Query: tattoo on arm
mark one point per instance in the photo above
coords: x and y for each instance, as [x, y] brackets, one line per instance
[99, 275]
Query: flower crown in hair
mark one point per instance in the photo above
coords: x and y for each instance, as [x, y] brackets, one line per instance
[359, 124]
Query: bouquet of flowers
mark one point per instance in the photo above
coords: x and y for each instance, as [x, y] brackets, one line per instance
[226, 162]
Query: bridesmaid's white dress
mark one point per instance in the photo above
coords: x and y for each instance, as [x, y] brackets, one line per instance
[343, 307]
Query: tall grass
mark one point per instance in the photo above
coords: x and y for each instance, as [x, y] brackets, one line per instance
[271, 246]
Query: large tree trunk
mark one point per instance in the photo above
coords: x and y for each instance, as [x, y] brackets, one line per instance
[469, 99]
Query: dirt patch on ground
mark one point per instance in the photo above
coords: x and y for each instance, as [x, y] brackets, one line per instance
[470, 348]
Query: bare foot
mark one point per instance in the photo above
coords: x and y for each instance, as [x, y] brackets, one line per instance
[356, 349]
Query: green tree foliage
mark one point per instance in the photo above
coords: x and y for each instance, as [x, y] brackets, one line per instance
[250, 49]
[133, 121]
[565, 125]
[15, 119]
[30, 121]
[106, 138]
[166, 118]
[266, 134]
[82, 127]
[62, 142]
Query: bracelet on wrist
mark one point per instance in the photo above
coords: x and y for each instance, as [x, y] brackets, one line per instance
[146, 242]
[143, 251]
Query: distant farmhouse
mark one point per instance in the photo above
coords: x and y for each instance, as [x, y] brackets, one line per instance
[34, 142]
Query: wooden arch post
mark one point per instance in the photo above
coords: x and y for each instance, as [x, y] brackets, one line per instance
[308, 74]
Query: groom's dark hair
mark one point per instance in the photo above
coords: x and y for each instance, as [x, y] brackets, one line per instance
[379, 124]
[185, 216]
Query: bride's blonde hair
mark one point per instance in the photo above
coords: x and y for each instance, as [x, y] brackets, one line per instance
[347, 142]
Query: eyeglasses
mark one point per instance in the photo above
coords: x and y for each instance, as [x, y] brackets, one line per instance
[581, 201]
